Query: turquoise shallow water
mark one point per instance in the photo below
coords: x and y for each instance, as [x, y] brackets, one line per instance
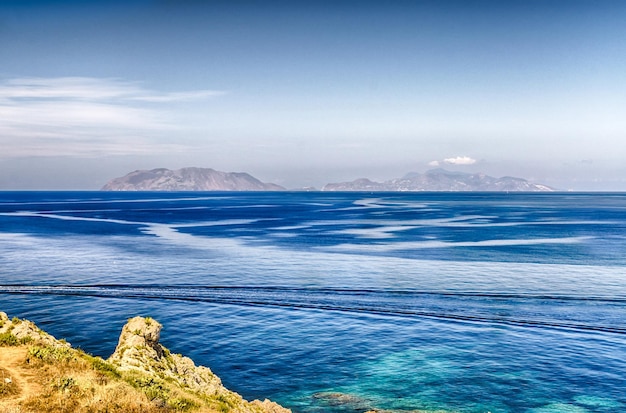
[342, 302]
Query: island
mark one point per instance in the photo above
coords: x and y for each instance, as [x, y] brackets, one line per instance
[436, 180]
[188, 179]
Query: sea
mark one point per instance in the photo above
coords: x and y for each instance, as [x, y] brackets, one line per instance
[341, 302]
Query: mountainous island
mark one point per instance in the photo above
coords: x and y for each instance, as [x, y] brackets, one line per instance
[188, 179]
[205, 179]
[441, 180]
[39, 373]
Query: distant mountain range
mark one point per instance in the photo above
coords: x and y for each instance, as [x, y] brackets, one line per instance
[188, 179]
[441, 180]
[204, 179]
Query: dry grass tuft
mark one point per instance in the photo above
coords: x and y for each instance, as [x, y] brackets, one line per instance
[8, 387]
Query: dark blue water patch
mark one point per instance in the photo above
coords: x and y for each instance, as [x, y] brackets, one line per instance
[569, 254]
[42, 225]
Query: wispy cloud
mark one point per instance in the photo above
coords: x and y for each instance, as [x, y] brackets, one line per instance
[92, 89]
[78, 116]
[74, 88]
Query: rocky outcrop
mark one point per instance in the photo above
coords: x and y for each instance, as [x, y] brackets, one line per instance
[188, 179]
[25, 331]
[139, 350]
[141, 375]
[442, 180]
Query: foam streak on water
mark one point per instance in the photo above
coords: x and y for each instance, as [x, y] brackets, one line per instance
[342, 302]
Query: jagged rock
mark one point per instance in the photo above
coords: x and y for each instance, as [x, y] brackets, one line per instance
[139, 349]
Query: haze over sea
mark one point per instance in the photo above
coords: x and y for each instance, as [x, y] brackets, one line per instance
[468, 302]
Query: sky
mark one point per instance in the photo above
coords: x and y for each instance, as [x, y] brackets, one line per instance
[302, 93]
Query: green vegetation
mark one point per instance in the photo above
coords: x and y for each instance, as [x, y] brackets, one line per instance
[26, 340]
[102, 366]
[8, 339]
[52, 355]
[154, 389]
[223, 404]
[182, 404]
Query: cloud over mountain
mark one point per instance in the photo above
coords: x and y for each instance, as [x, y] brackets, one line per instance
[460, 160]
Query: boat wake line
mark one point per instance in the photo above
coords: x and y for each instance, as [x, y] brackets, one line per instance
[525, 310]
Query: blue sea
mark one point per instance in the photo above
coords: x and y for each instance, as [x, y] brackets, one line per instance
[341, 302]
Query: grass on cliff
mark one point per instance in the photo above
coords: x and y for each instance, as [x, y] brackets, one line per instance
[47, 379]
[72, 381]
[8, 339]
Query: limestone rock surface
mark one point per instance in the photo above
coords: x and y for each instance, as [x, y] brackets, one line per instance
[139, 349]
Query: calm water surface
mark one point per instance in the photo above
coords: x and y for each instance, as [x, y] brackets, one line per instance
[458, 302]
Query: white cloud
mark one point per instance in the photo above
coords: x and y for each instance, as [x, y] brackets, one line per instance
[433, 163]
[460, 160]
[77, 116]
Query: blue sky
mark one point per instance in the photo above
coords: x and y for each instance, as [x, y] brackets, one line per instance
[305, 93]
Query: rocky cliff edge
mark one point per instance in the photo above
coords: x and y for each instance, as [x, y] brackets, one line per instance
[39, 373]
